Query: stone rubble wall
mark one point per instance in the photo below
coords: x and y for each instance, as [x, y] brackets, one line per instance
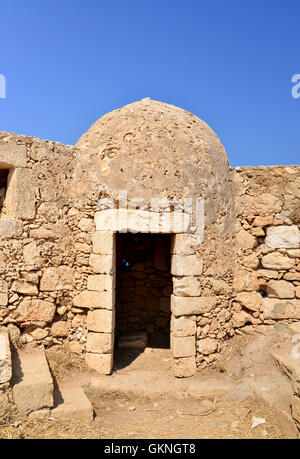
[45, 245]
[267, 277]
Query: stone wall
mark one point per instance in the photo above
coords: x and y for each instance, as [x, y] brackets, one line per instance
[267, 278]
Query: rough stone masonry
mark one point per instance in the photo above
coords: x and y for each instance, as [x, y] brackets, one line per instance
[58, 247]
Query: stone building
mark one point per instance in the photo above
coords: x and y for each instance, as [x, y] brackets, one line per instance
[144, 226]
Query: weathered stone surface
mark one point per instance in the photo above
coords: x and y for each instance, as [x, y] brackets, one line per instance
[186, 286]
[23, 196]
[102, 264]
[220, 287]
[245, 240]
[102, 363]
[292, 276]
[9, 228]
[278, 261]
[186, 265]
[182, 244]
[5, 357]
[263, 204]
[297, 291]
[13, 154]
[100, 343]
[283, 237]
[240, 318]
[250, 300]
[268, 274]
[184, 367]
[3, 299]
[72, 403]
[183, 346]
[207, 346]
[101, 282]
[25, 288]
[31, 254]
[60, 329]
[187, 306]
[296, 408]
[280, 289]
[295, 328]
[33, 389]
[280, 309]
[92, 299]
[57, 279]
[101, 320]
[245, 281]
[183, 326]
[103, 242]
[35, 311]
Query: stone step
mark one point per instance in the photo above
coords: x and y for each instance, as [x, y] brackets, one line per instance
[72, 403]
[5, 357]
[32, 381]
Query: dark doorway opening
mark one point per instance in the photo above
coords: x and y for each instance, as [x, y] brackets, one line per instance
[143, 290]
[3, 187]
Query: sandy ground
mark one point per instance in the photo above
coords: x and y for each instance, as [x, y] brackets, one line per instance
[142, 399]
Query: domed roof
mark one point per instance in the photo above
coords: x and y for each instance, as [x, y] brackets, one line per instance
[151, 148]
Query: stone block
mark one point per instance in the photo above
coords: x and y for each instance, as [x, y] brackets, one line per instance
[186, 265]
[101, 282]
[280, 289]
[20, 196]
[100, 343]
[280, 309]
[33, 389]
[60, 329]
[283, 237]
[249, 300]
[276, 260]
[102, 363]
[57, 279]
[245, 240]
[184, 367]
[103, 242]
[141, 221]
[5, 357]
[183, 346]
[207, 346]
[186, 286]
[72, 403]
[245, 281]
[13, 154]
[183, 326]
[3, 299]
[182, 244]
[34, 311]
[10, 228]
[102, 264]
[91, 299]
[25, 288]
[187, 306]
[101, 321]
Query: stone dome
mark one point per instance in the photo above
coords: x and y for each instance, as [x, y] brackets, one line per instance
[152, 149]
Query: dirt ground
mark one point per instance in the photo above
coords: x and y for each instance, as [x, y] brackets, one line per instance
[142, 399]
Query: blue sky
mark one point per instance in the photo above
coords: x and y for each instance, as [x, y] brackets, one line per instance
[230, 62]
